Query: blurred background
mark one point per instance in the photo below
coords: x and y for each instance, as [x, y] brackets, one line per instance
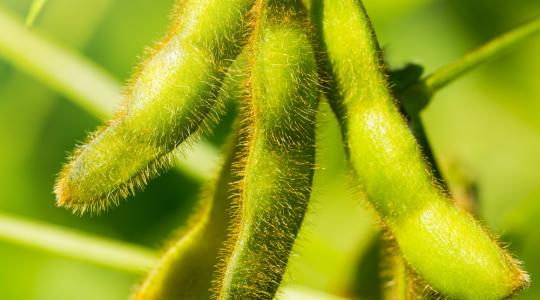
[484, 129]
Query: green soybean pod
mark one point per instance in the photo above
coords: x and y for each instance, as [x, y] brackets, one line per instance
[443, 244]
[171, 97]
[185, 271]
[277, 170]
[399, 281]
[397, 284]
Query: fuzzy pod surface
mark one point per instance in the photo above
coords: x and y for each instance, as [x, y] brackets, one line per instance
[442, 243]
[171, 96]
[399, 282]
[279, 120]
[185, 270]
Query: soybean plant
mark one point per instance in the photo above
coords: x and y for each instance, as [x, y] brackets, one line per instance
[240, 239]
[444, 244]
[171, 97]
[186, 268]
[279, 114]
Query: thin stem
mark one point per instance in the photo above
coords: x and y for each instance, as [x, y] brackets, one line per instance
[81, 81]
[76, 245]
[100, 251]
[477, 57]
[295, 292]
[417, 96]
[417, 127]
[35, 9]
[65, 71]
[398, 281]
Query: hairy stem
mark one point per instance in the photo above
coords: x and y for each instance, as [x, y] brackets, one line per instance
[398, 281]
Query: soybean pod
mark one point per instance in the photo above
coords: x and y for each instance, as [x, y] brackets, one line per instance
[442, 243]
[171, 97]
[399, 281]
[279, 119]
[186, 269]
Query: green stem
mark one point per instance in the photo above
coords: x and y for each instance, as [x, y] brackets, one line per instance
[100, 251]
[304, 293]
[485, 53]
[76, 245]
[418, 96]
[63, 70]
[417, 127]
[398, 284]
[79, 80]
[35, 9]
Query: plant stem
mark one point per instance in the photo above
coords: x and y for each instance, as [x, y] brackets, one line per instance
[489, 51]
[61, 69]
[35, 9]
[76, 245]
[81, 81]
[417, 127]
[100, 251]
[303, 293]
[418, 96]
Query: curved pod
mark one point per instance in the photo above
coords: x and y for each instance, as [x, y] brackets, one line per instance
[279, 155]
[442, 243]
[171, 97]
[186, 268]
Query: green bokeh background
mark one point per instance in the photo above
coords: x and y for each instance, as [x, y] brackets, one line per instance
[486, 124]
